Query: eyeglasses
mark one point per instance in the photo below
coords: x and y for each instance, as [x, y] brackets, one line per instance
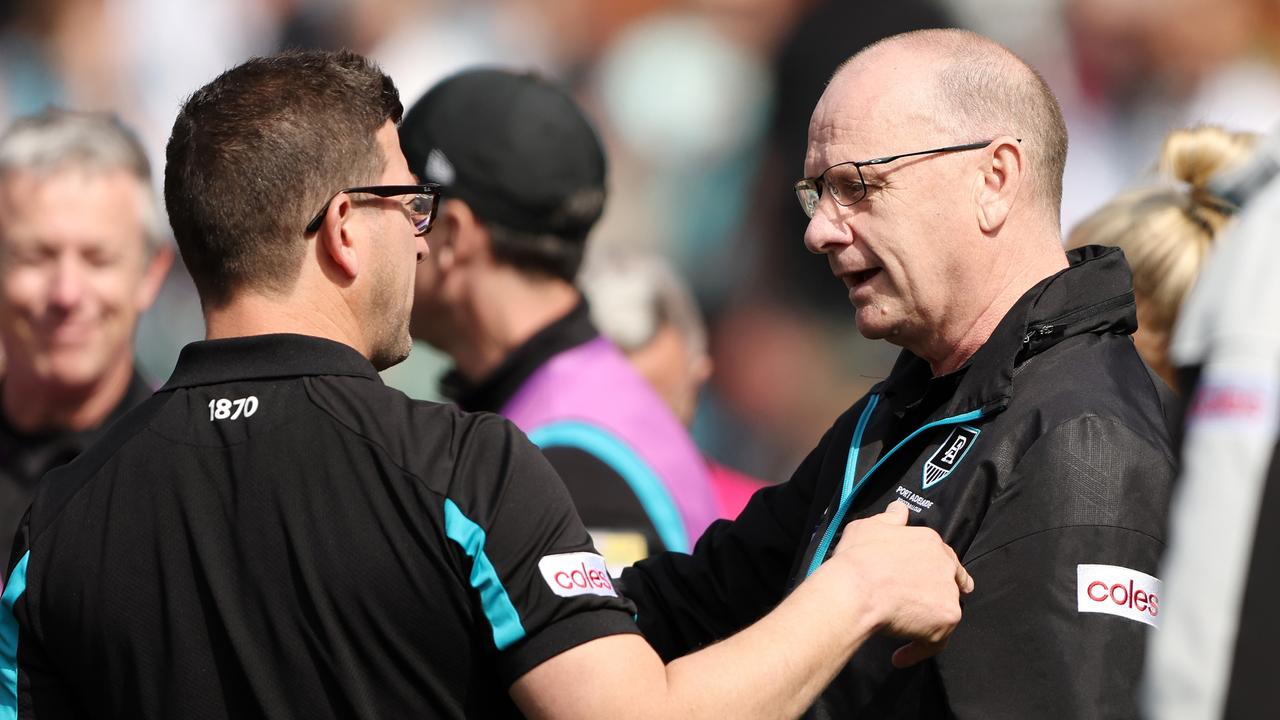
[421, 205]
[844, 180]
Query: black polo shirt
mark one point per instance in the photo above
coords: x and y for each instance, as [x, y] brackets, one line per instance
[278, 534]
[26, 457]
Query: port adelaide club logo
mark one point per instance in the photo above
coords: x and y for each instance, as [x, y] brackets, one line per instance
[949, 455]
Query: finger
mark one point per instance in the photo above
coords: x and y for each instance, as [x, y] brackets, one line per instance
[915, 651]
[895, 514]
[963, 579]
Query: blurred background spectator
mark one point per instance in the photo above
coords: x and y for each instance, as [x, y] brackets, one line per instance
[640, 303]
[83, 251]
[1166, 230]
[703, 105]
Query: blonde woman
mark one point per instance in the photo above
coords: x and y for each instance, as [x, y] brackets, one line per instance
[1167, 229]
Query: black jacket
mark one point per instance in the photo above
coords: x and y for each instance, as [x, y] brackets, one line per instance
[1046, 457]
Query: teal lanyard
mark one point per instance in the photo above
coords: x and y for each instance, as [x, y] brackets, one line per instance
[850, 489]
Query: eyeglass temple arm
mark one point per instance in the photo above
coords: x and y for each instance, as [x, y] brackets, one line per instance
[949, 148]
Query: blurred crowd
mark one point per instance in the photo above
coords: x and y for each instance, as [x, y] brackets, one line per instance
[703, 106]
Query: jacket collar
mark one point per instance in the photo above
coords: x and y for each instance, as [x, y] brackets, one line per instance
[257, 357]
[492, 393]
[1093, 295]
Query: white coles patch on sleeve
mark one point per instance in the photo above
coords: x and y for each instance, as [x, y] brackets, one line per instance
[578, 573]
[1115, 590]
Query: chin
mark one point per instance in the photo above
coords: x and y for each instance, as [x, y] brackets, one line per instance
[392, 354]
[872, 325]
[72, 373]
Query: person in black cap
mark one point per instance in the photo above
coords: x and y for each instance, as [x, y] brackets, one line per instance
[523, 174]
[277, 534]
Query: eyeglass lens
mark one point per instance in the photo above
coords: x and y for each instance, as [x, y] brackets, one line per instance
[422, 212]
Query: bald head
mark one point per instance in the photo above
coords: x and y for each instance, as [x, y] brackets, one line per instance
[969, 88]
[933, 185]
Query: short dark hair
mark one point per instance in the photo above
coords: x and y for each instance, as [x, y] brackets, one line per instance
[554, 255]
[257, 151]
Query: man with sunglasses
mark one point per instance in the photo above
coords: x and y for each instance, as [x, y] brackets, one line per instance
[276, 534]
[1018, 421]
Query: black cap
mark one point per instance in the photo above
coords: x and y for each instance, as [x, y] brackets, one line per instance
[513, 146]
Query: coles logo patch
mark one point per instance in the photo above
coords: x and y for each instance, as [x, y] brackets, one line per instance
[578, 573]
[1115, 590]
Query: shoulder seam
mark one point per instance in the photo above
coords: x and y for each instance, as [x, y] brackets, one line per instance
[306, 385]
[1041, 531]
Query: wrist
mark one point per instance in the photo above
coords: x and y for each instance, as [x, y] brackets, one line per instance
[854, 604]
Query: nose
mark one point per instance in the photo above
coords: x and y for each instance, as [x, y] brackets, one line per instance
[68, 282]
[826, 231]
[421, 246]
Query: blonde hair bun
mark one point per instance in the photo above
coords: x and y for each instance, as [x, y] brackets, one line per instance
[1198, 154]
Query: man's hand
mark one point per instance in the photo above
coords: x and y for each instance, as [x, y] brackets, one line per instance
[910, 579]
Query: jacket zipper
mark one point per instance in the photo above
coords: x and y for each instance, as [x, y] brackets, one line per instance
[1059, 323]
[849, 490]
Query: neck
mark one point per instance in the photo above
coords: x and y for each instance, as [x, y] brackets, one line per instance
[316, 315]
[491, 330]
[31, 405]
[1019, 275]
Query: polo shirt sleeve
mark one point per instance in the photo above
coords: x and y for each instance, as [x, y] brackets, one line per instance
[27, 673]
[737, 572]
[537, 582]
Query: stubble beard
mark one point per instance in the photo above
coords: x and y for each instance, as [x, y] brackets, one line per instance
[389, 313]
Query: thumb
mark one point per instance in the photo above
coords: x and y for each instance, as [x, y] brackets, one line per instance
[914, 652]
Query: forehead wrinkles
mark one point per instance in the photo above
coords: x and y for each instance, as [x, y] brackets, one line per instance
[871, 110]
[846, 132]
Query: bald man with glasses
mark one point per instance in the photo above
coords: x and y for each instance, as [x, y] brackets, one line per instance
[1019, 422]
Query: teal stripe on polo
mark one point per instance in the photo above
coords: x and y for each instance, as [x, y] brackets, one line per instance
[9, 639]
[502, 615]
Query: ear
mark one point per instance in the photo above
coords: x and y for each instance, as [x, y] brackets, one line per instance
[153, 276]
[461, 238]
[1002, 178]
[335, 239]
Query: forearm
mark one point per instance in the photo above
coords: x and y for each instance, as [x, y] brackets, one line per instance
[729, 679]
[776, 667]
[773, 669]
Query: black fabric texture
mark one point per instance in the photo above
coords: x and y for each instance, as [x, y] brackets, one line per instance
[25, 458]
[1249, 691]
[312, 558]
[602, 497]
[1070, 463]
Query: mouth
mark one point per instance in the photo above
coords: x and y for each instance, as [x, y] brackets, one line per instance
[856, 279]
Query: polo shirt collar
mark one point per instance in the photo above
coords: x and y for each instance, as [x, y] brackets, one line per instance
[258, 357]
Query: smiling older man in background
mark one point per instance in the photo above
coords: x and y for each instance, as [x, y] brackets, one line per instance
[83, 252]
